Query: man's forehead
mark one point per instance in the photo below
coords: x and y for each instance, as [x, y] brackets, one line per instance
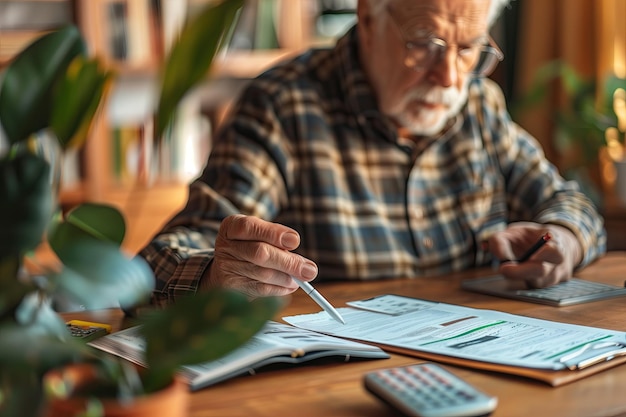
[466, 12]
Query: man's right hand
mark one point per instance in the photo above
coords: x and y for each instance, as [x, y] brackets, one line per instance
[254, 256]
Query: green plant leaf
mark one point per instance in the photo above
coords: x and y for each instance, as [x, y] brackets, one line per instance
[27, 87]
[25, 203]
[88, 221]
[77, 99]
[36, 314]
[192, 55]
[38, 339]
[611, 83]
[201, 328]
[26, 348]
[98, 275]
[13, 290]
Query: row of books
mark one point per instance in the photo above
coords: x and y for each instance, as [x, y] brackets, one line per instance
[139, 32]
[136, 156]
[259, 25]
[177, 157]
[134, 24]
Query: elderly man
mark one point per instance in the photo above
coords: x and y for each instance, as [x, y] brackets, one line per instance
[389, 155]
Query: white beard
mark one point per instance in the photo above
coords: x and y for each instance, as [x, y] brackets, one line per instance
[423, 121]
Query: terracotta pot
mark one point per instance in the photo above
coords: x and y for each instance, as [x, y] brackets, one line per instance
[172, 401]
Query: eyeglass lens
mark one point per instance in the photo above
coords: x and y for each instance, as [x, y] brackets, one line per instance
[478, 59]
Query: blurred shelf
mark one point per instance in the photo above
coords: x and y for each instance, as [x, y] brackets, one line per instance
[248, 64]
[132, 37]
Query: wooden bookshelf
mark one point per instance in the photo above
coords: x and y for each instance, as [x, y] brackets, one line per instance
[132, 37]
[292, 23]
[125, 34]
[16, 33]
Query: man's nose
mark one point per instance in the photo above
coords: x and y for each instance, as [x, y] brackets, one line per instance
[445, 71]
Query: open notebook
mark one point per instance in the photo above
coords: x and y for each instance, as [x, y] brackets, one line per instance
[275, 343]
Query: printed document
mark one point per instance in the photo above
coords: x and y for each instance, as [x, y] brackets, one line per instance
[463, 332]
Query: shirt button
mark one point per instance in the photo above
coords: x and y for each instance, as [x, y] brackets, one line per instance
[427, 242]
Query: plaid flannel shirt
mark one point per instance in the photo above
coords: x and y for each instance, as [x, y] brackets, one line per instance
[307, 147]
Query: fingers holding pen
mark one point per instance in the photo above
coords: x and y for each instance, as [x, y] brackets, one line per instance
[253, 256]
[530, 253]
[267, 244]
[534, 272]
[523, 244]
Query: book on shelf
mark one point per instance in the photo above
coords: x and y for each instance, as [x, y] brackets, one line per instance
[155, 23]
[177, 157]
[129, 152]
[138, 33]
[117, 15]
[256, 27]
[72, 170]
[140, 36]
[276, 343]
[265, 36]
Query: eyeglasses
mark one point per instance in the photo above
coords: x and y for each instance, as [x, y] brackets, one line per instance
[478, 59]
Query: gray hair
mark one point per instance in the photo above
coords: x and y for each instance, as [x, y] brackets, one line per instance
[495, 8]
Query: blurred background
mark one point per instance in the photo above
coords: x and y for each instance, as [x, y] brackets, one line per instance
[563, 76]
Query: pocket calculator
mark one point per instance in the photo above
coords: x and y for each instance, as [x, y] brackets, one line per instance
[428, 390]
[574, 291]
[87, 330]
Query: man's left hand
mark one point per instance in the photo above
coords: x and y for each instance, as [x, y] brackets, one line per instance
[554, 262]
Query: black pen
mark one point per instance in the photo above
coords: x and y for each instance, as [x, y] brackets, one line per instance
[534, 248]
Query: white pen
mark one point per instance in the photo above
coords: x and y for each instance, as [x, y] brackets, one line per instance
[321, 301]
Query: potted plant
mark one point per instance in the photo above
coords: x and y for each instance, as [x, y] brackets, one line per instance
[205, 327]
[581, 121]
[53, 89]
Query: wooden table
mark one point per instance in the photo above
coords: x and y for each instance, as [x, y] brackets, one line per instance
[335, 389]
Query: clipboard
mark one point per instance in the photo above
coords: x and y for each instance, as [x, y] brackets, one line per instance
[553, 378]
[461, 336]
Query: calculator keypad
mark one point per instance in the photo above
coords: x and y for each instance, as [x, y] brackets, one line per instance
[86, 333]
[428, 390]
[569, 289]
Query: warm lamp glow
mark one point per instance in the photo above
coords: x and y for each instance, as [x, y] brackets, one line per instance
[619, 58]
[613, 145]
[619, 106]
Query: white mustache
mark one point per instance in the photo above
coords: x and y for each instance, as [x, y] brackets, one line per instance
[434, 95]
